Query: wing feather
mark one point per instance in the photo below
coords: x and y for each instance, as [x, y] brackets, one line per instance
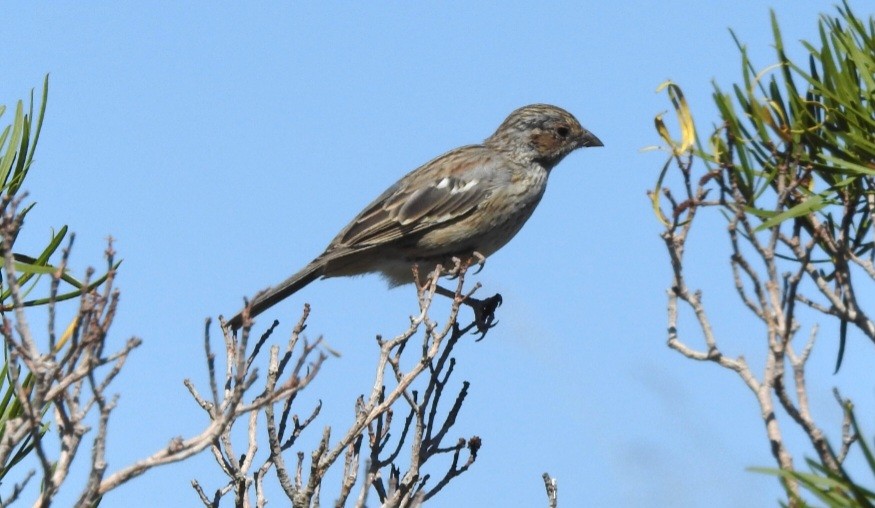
[428, 196]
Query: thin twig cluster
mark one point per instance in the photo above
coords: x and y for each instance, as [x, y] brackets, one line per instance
[774, 269]
[377, 453]
[68, 379]
[61, 383]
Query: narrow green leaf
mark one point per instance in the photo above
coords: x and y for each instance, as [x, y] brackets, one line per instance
[14, 142]
[850, 167]
[66, 296]
[37, 129]
[810, 205]
[34, 269]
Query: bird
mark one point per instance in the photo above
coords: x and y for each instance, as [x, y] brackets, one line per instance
[466, 203]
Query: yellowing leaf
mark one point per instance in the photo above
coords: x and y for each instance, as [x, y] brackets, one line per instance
[685, 120]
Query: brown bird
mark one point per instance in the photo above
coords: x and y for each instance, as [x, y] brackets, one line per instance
[466, 203]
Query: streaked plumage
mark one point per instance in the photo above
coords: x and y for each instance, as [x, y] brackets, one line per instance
[471, 199]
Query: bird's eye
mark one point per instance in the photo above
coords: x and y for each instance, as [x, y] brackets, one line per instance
[562, 131]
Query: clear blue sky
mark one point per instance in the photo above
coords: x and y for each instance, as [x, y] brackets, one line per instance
[224, 145]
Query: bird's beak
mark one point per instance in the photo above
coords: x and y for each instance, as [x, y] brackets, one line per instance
[587, 139]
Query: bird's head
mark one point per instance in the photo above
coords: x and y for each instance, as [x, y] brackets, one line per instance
[541, 133]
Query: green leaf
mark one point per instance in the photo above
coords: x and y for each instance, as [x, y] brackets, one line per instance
[848, 166]
[810, 205]
[14, 142]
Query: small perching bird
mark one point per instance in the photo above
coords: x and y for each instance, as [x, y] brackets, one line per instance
[466, 203]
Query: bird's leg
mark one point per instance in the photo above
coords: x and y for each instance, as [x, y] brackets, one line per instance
[484, 310]
[460, 264]
[455, 271]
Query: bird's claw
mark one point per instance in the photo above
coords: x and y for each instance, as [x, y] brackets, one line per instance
[484, 313]
[481, 262]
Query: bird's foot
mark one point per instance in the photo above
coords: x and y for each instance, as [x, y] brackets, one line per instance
[461, 265]
[484, 312]
[458, 268]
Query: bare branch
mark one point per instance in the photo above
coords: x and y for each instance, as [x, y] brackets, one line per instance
[551, 485]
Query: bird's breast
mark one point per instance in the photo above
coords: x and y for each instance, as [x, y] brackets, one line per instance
[495, 220]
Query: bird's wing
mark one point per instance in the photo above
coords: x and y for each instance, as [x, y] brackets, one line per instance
[438, 192]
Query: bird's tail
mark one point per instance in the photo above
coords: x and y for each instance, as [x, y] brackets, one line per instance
[276, 294]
